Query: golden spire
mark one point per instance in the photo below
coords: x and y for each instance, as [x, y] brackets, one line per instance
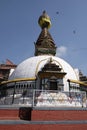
[45, 44]
[44, 21]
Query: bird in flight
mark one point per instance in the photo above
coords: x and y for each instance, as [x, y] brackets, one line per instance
[74, 31]
[57, 12]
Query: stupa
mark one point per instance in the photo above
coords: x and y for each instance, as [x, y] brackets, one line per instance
[44, 91]
[44, 79]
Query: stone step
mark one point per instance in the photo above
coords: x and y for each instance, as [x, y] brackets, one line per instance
[43, 125]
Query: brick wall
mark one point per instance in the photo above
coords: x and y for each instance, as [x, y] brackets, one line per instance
[44, 120]
[9, 114]
[45, 115]
[59, 115]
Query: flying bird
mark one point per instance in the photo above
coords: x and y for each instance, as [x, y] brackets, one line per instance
[74, 31]
[57, 12]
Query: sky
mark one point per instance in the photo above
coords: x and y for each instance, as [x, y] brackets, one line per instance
[19, 29]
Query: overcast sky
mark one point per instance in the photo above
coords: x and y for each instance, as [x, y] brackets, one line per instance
[19, 29]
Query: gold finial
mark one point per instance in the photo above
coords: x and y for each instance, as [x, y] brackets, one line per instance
[44, 21]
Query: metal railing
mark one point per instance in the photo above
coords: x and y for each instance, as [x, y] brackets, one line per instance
[54, 98]
[41, 98]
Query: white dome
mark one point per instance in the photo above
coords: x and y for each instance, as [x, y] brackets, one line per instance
[30, 67]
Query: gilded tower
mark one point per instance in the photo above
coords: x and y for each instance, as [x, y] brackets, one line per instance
[45, 43]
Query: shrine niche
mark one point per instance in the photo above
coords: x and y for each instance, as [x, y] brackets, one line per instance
[51, 69]
[52, 75]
